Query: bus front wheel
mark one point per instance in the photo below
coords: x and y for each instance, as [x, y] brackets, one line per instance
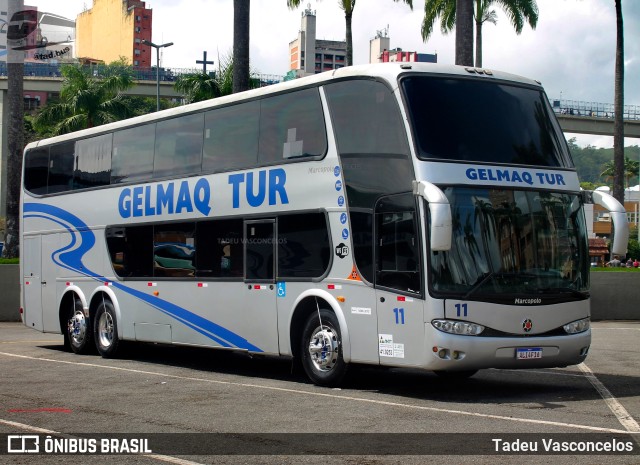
[321, 349]
[106, 329]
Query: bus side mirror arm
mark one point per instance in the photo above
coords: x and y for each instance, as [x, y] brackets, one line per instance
[440, 232]
[618, 217]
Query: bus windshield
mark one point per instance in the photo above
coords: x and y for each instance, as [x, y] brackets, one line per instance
[509, 242]
[483, 120]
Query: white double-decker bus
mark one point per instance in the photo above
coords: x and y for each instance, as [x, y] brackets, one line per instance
[409, 215]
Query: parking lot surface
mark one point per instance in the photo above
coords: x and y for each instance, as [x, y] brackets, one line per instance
[248, 404]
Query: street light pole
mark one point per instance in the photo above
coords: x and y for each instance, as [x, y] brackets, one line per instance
[157, 47]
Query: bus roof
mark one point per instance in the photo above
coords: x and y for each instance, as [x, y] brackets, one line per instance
[387, 71]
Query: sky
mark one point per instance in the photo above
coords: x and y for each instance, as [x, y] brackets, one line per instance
[571, 51]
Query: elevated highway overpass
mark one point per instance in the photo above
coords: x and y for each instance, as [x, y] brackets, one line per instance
[596, 126]
[595, 118]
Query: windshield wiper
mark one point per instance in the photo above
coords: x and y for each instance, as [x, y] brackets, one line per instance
[479, 283]
[562, 290]
[482, 280]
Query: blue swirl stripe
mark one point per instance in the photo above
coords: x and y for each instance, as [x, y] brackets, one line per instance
[83, 239]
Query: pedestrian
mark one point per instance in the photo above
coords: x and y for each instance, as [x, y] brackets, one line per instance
[615, 262]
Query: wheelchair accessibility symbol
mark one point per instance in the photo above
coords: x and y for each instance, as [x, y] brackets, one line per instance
[282, 289]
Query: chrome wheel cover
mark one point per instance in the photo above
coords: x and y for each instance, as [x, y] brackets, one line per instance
[323, 348]
[105, 330]
[77, 328]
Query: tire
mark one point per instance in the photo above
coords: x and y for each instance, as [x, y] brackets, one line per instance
[321, 349]
[464, 374]
[105, 330]
[78, 334]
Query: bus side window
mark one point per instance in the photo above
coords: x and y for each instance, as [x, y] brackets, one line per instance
[219, 249]
[291, 126]
[93, 162]
[397, 251]
[174, 250]
[36, 170]
[178, 146]
[303, 245]
[231, 137]
[131, 250]
[61, 161]
[132, 155]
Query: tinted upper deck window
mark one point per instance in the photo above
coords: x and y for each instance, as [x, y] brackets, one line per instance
[291, 126]
[465, 119]
[36, 170]
[132, 158]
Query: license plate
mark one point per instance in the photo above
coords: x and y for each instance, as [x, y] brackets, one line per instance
[528, 353]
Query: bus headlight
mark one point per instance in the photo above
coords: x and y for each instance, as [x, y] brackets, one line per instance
[578, 326]
[458, 327]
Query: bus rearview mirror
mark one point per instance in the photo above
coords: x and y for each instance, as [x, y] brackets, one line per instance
[440, 230]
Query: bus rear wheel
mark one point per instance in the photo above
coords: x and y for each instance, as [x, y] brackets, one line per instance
[78, 334]
[106, 329]
[321, 349]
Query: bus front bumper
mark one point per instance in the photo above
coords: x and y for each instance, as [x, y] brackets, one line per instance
[451, 352]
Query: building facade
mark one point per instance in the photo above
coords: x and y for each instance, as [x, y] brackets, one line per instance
[115, 28]
[381, 52]
[311, 56]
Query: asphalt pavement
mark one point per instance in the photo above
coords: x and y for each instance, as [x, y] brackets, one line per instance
[165, 404]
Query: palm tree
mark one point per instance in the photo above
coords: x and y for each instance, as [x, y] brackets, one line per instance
[197, 87]
[347, 6]
[464, 32]
[618, 123]
[86, 101]
[482, 15]
[15, 140]
[630, 170]
[518, 11]
[241, 10]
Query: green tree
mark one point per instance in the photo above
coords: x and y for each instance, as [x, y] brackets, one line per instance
[86, 101]
[618, 104]
[15, 135]
[518, 12]
[144, 105]
[347, 6]
[630, 171]
[482, 15]
[197, 87]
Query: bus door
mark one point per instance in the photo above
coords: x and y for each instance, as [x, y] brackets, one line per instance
[260, 317]
[39, 282]
[398, 281]
[32, 284]
[49, 273]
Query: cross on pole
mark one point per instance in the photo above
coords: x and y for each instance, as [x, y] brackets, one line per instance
[204, 62]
